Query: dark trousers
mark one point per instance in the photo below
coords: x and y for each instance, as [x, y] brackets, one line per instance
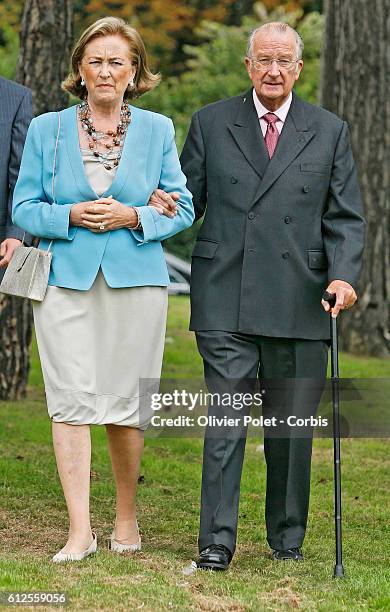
[232, 362]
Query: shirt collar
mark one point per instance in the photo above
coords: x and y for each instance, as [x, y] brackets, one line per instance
[281, 113]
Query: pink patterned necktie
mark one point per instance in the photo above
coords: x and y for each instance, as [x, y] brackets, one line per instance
[272, 134]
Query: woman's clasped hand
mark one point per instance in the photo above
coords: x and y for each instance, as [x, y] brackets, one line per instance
[103, 215]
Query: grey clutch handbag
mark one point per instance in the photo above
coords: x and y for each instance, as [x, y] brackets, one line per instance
[27, 273]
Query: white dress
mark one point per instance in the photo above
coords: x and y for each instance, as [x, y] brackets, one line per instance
[96, 346]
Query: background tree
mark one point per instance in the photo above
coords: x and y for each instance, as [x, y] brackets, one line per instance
[355, 86]
[293, 5]
[46, 36]
[168, 25]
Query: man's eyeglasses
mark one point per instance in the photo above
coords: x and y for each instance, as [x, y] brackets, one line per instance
[266, 62]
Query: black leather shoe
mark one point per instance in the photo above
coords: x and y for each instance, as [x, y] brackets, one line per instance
[215, 557]
[293, 554]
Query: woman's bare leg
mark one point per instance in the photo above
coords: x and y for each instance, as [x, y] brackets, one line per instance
[125, 446]
[72, 447]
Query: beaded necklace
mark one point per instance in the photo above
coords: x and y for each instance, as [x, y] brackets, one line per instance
[108, 139]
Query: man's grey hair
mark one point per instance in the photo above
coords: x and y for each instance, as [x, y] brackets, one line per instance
[277, 26]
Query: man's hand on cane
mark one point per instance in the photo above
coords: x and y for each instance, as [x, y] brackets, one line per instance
[345, 296]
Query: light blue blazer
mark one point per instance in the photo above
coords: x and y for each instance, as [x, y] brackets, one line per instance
[128, 258]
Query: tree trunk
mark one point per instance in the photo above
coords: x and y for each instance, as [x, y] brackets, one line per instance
[46, 38]
[45, 42]
[355, 86]
[15, 338]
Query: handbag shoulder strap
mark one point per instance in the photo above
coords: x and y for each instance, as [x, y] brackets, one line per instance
[53, 173]
[55, 157]
[54, 167]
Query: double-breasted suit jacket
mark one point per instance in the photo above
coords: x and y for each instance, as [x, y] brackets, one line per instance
[127, 257]
[275, 232]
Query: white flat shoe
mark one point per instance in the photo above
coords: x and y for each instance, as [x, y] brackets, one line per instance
[116, 545]
[60, 556]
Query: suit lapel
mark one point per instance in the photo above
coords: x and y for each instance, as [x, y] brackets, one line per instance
[70, 136]
[247, 133]
[132, 166]
[293, 139]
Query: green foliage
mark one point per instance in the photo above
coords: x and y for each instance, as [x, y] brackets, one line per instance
[9, 51]
[311, 30]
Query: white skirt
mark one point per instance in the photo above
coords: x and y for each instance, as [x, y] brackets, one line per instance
[95, 346]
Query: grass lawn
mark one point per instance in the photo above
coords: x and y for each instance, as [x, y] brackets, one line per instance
[33, 520]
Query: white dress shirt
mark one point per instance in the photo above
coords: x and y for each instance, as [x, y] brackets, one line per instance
[281, 113]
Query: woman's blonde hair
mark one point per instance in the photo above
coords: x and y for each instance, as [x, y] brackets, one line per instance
[144, 79]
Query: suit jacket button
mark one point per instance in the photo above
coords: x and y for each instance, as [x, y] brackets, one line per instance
[306, 188]
[251, 215]
[287, 219]
[286, 255]
[233, 180]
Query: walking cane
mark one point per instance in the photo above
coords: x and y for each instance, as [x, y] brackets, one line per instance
[338, 568]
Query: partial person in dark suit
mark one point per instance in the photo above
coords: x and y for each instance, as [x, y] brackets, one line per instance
[276, 182]
[15, 117]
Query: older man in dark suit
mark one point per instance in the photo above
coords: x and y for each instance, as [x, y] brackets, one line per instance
[276, 182]
[15, 117]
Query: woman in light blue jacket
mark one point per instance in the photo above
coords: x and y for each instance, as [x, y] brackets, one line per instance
[101, 326]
